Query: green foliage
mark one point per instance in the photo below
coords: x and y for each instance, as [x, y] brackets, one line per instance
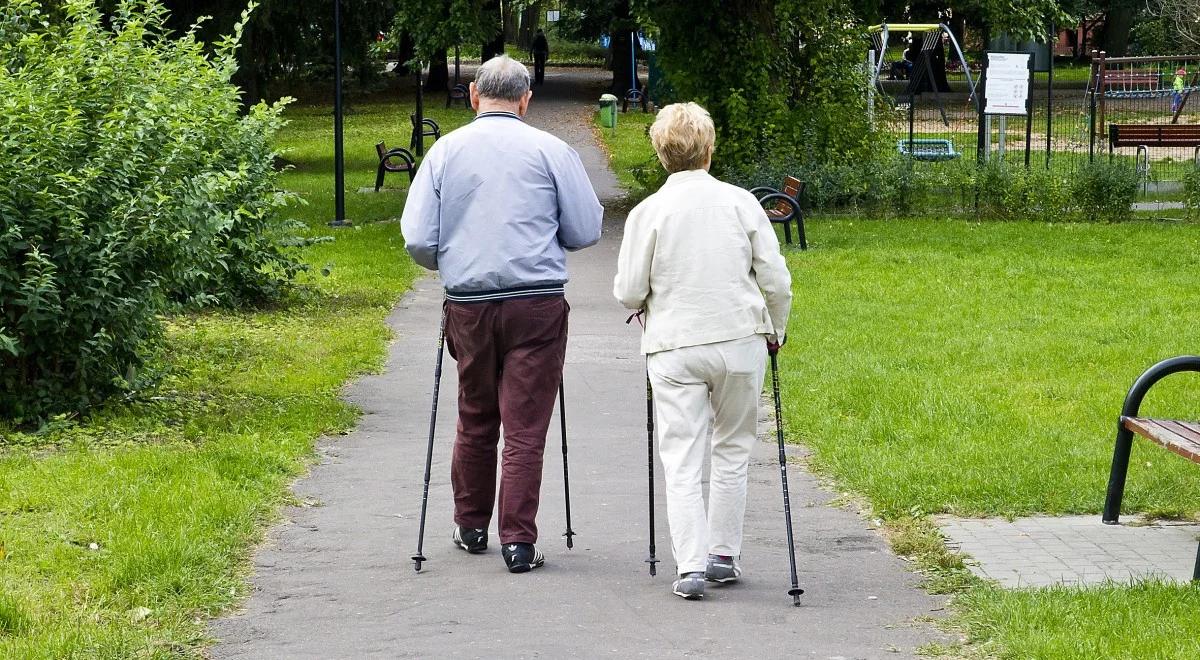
[174, 488]
[1024, 20]
[781, 80]
[1191, 193]
[436, 25]
[133, 184]
[1105, 191]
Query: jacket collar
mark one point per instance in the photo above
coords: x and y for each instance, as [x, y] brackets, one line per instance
[687, 175]
[498, 113]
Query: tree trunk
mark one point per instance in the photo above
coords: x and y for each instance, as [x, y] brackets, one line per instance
[1117, 24]
[531, 17]
[509, 16]
[494, 17]
[937, 64]
[624, 75]
[438, 79]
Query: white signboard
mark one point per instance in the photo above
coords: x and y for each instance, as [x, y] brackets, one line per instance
[552, 16]
[1007, 90]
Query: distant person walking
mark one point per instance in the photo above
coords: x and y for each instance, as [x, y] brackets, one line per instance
[701, 260]
[541, 52]
[494, 208]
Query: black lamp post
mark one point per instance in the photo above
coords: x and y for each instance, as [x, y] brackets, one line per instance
[339, 161]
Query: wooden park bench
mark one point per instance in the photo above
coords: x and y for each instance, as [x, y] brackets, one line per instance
[1154, 135]
[427, 128]
[786, 207]
[459, 94]
[393, 160]
[1183, 438]
[1144, 136]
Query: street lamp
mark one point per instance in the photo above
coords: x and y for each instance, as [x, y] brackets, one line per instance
[339, 161]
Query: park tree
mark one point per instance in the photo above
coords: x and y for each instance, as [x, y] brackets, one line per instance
[283, 40]
[436, 26]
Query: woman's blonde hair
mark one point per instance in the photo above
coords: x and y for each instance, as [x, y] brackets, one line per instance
[683, 136]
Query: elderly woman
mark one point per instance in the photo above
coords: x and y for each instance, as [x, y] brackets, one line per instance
[701, 260]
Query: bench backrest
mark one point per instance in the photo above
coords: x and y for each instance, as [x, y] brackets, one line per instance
[792, 187]
[1129, 79]
[381, 149]
[1154, 135]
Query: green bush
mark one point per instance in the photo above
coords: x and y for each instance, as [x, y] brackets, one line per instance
[133, 183]
[1105, 191]
[1191, 191]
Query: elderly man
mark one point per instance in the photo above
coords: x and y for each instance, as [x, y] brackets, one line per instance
[494, 207]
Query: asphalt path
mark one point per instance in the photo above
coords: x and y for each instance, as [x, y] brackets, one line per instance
[334, 580]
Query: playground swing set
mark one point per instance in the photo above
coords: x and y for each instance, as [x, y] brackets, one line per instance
[924, 149]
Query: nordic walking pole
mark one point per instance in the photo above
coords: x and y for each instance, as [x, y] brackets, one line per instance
[562, 418]
[437, 385]
[795, 591]
[652, 560]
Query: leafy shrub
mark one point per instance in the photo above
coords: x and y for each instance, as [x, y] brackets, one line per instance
[133, 183]
[1191, 191]
[1105, 191]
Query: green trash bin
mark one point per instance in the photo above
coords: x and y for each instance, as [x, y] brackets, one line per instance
[608, 111]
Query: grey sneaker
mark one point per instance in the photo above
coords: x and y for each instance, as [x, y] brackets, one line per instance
[722, 569]
[473, 541]
[689, 586]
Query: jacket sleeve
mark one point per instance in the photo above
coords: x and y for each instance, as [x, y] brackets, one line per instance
[580, 214]
[631, 286]
[770, 268]
[421, 221]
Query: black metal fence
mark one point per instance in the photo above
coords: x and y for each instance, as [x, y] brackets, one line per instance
[1077, 117]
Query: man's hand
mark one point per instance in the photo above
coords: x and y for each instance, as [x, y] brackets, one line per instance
[773, 346]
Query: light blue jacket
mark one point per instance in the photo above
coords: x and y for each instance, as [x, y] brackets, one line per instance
[495, 206]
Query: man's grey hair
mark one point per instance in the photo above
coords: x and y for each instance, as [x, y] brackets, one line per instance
[502, 78]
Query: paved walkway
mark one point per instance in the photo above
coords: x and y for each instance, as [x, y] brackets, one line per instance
[1045, 550]
[335, 580]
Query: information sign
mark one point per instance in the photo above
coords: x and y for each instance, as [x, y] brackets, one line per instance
[1007, 87]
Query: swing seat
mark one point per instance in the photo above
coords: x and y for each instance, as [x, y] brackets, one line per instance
[927, 149]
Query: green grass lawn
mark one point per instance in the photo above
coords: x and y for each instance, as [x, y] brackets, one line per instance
[951, 366]
[946, 366]
[120, 533]
[628, 147]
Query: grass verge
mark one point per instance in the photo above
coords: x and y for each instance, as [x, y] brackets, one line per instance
[121, 532]
[947, 366]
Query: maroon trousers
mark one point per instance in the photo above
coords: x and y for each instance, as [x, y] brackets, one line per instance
[510, 357]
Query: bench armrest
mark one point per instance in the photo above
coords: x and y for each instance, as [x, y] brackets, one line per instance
[795, 206]
[1133, 400]
[763, 190]
[401, 153]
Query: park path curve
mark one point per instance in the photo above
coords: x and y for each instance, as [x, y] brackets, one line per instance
[335, 581]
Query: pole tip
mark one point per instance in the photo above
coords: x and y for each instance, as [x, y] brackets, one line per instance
[795, 592]
[417, 561]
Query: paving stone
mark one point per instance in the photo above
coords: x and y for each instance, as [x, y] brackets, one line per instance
[1045, 550]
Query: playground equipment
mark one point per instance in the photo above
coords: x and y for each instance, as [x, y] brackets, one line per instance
[1137, 102]
[921, 72]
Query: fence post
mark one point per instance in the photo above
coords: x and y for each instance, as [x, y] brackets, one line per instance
[1029, 112]
[1050, 93]
[982, 142]
[1100, 129]
[1092, 78]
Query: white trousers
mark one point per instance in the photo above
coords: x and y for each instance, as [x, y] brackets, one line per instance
[721, 382]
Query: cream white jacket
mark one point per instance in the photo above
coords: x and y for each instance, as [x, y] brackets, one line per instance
[700, 257]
